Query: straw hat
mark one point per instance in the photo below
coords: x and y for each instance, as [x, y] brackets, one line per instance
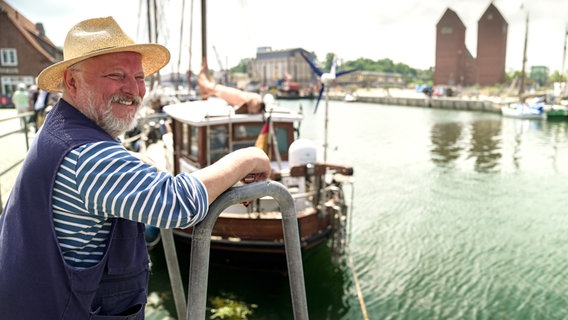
[96, 37]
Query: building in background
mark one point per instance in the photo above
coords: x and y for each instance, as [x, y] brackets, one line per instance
[271, 67]
[540, 75]
[455, 66]
[491, 47]
[24, 51]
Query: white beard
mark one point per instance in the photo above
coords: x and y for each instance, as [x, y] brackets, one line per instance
[107, 121]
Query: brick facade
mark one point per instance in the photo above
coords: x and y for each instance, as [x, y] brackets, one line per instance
[455, 66]
[25, 50]
[491, 47]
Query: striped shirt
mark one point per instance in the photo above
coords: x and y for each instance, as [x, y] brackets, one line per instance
[103, 180]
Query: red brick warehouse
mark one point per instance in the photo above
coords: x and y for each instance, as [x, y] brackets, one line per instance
[455, 66]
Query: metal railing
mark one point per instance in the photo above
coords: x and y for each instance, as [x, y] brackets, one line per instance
[26, 138]
[201, 245]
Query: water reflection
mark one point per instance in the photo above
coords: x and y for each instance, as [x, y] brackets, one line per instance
[445, 139]
[485, 144]
[557, 131]
[481, 140]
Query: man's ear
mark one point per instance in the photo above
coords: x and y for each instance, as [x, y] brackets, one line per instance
[69, 81]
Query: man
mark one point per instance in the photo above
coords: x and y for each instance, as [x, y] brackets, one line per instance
[20, 100]
[72, 234]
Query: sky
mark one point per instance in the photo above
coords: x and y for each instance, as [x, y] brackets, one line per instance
[401, 30]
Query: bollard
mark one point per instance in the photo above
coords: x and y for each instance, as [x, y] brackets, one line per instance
[201, 244]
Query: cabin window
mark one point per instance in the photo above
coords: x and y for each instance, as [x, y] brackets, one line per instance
[9, 57]
[189, 141]
[245, 135]
[185, 138]
[282, 139]
[247, 132]
[218, 142]
[194, 141]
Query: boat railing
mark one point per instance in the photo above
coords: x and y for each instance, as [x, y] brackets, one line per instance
[145, 124]
[4, 135]
[201, 245]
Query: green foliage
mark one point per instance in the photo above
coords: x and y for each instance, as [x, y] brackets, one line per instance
[242, 66]
[227, 308]
[386, 65]
[557, 77]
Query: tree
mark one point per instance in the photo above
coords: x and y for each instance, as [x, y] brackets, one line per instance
[242, 66]
[557, 77]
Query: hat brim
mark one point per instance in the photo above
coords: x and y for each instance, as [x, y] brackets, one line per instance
[154, 58]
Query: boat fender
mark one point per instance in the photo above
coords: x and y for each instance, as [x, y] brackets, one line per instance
[302, 151]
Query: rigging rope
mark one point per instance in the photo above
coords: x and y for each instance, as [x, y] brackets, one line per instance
[360, 296]
[357, 285]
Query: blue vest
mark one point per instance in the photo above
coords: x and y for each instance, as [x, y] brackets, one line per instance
[35, 281]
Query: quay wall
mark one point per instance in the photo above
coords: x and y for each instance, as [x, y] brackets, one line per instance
[426, 102]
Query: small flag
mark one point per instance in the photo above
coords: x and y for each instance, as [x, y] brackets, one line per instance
[263, 137]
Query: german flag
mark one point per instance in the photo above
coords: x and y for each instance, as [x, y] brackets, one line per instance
[264, 137]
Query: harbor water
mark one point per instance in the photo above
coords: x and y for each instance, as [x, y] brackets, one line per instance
[457, 215]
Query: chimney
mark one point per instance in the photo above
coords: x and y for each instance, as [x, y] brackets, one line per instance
[40, 29]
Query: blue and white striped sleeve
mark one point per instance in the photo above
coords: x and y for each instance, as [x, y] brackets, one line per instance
[114, 183]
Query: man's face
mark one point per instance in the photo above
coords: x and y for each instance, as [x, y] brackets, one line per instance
[109, 90]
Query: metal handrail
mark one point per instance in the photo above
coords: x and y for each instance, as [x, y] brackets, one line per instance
[26, 138]
[201, 244]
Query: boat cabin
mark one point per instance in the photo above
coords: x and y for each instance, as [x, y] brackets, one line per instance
[205, 131]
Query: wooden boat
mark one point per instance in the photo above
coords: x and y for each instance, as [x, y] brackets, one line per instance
[204, 131]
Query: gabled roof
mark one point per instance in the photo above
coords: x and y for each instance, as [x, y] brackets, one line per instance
[450, 16]
[491, 9]
[32, 32]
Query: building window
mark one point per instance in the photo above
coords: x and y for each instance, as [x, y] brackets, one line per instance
[446, 30]
[9, 57]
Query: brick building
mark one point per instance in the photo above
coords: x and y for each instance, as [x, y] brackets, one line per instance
[454, 63]
[24, 51]
[455, 66]
[491, 47]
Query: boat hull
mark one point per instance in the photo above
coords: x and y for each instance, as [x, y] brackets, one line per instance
[522, 112]
[263, 235]
[557, 113]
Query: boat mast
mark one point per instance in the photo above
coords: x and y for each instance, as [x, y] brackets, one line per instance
[178, 76]
[523, 73]
[152, 17]
[564, 54]
[326, 120]
[204, 29]
[189, 83]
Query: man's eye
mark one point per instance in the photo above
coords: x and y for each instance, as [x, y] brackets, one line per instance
[116, 76]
